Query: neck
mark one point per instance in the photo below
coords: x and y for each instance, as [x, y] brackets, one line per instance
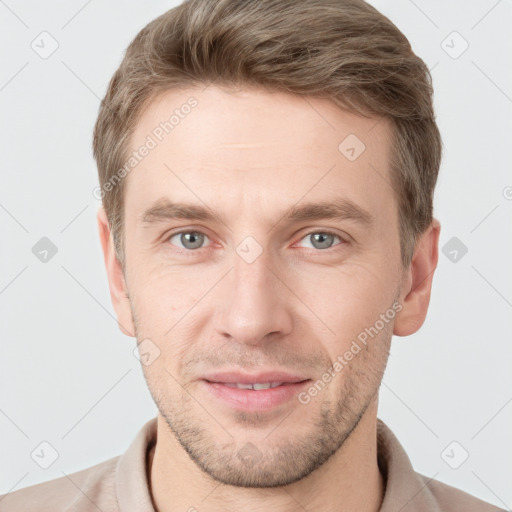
[349, 480]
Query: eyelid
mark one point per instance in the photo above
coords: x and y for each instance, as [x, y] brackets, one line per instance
[168, 236]
[342, 237]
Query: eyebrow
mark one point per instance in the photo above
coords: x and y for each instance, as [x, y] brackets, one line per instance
[338, 209]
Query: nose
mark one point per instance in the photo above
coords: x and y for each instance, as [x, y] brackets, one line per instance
[255, 303]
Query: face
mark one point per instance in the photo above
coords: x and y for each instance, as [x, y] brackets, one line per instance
[284, 250]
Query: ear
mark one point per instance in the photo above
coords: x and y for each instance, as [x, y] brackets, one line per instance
[116, 280]
[417, 284]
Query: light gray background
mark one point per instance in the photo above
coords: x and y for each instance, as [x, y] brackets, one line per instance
[68, 375]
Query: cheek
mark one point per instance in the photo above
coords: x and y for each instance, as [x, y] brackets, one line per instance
[164, 292]
[347, 298]
[168, 305]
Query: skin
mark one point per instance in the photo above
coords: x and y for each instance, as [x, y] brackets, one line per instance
[250, 156]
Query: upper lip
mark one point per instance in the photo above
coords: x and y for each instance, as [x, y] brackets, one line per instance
[247, 378]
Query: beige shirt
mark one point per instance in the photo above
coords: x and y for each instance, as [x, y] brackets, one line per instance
[121, 484]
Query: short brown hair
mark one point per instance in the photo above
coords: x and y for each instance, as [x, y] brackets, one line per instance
[343, 50]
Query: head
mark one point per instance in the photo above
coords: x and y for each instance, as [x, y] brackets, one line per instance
[281, 208]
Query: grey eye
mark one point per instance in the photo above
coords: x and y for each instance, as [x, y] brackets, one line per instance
[321, 240]
[190, 239]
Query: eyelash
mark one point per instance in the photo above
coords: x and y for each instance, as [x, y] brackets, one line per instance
[323, 232]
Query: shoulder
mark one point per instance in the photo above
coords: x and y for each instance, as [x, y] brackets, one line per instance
[91, 487]
[451, 499]
[410, 491]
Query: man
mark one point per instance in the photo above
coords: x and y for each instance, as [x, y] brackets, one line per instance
[267, 172]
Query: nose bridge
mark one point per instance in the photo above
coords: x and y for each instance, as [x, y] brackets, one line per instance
[254, 306]
[251, 274]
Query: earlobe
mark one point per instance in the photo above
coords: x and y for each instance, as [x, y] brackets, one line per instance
[116, 280]
[417, 286]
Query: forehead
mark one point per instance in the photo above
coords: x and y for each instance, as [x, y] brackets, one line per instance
[256, 148]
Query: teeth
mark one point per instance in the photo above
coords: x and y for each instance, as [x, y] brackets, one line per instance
[266, 385]
[256, 386]
[241, 386]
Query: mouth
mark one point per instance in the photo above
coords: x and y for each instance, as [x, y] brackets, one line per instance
[255, 396]
[256, 386]
[273, 378]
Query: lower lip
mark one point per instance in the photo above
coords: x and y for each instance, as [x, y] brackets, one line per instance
[252, 400]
